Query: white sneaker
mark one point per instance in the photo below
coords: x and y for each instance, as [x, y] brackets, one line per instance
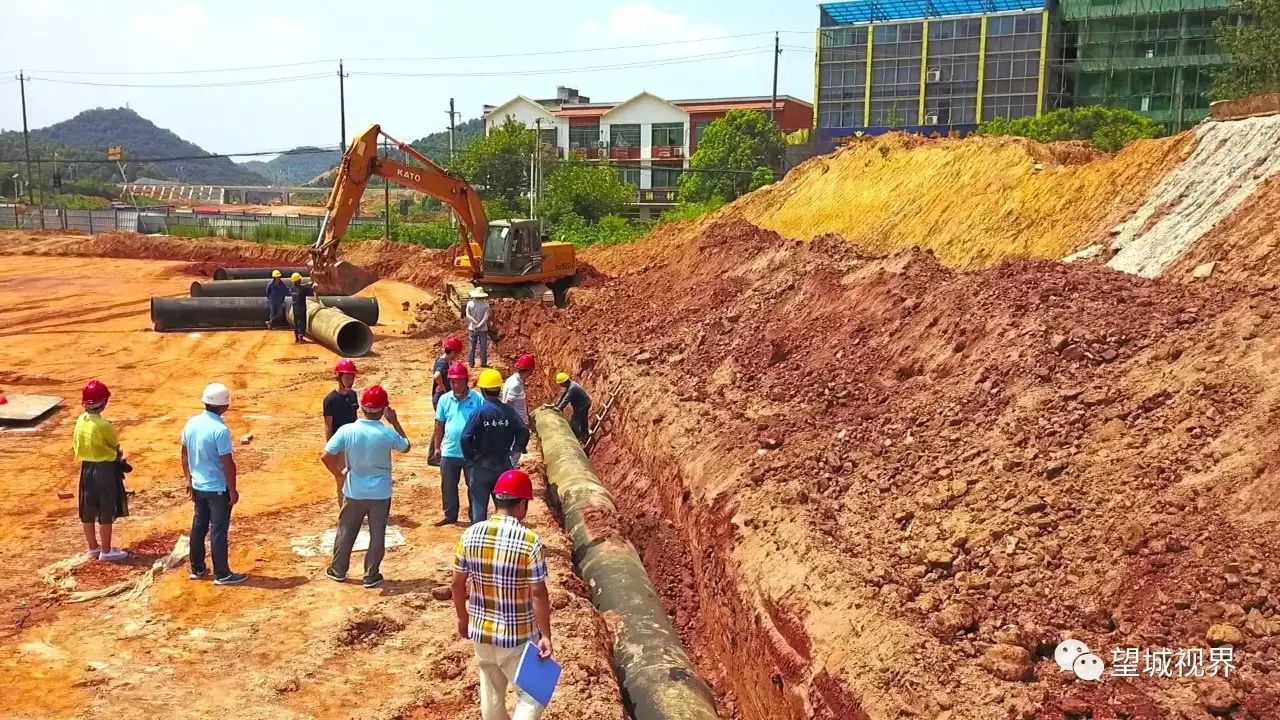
[112, 555]
[91, 554]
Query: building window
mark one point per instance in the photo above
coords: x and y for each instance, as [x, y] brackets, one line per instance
[624, 136]
[584, 136]
[547, 137]
[629, 174]
[698, 128]
[666, 176]
[668, 134]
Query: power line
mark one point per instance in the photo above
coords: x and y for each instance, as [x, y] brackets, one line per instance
[230, 83]
[723, 55]
[407, 59]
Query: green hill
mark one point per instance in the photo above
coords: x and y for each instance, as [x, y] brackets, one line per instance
[295, 167]
[436, 145]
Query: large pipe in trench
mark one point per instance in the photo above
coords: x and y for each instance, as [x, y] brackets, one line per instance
[229, 288]
[242, 312]
[658, 681]
[257, 273]
[335, 329]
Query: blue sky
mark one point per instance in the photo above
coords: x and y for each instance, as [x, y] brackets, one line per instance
[66, 40]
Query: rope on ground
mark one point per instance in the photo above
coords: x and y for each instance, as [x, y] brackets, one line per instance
[133, 589]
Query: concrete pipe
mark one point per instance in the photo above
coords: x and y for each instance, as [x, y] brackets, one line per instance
[241, 312]
[258, 273]
[335, 329]
[658, 680]
[229, 288]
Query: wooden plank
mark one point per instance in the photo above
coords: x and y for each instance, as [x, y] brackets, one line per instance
[25, 408]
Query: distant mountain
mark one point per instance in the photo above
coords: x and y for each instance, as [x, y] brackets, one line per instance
[295, 167]
[436, 145]
[93, 131]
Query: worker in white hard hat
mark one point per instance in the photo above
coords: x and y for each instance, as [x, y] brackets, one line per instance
[477, 316]
[210, 470]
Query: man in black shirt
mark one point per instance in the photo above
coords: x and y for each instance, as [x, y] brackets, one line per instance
[577, 398]
[299, 292]
[340, 405]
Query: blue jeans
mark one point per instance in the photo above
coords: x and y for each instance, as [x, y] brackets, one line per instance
[451, 469]
[479, 340]
[299, 321]
[213, 509]
[277, 311]
[480, 488]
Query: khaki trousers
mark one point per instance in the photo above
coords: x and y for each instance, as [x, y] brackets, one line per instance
[497, 670]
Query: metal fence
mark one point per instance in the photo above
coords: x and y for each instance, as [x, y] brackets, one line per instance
[157, 221]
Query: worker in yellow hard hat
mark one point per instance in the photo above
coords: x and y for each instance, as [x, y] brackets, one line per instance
[277, 291]
[299, 292]
[574, 395]
[490, 438]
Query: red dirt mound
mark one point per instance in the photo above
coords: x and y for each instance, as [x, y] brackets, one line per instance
[873, 487]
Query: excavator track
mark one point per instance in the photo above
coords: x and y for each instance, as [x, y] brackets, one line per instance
[457, 292]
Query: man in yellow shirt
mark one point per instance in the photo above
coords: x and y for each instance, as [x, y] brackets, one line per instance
[101, 484]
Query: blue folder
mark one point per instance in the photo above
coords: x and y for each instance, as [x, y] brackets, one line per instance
[537, 676]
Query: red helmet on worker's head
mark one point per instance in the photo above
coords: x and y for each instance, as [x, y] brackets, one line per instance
[452, 344]
[94, 393]
[514, 483]
[375, 398]
[458, 371]
[524, 362]
[345, 366]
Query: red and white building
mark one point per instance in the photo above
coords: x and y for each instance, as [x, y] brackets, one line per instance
[647, 137]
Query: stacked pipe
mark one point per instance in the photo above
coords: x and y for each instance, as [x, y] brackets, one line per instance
[335, 329]
[257, 273]
[236, 298]
[658, 680]
[242, 312]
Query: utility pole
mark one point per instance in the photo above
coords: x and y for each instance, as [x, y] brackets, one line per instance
[533, 168]
[342, 109]
[452, 128]
[26, 139]
[773, 103]
[386, 195]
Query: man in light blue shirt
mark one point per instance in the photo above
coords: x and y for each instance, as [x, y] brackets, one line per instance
[453, 411]
[210, 471]
[364, 449]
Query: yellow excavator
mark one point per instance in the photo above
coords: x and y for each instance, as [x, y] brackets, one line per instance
[508, 258]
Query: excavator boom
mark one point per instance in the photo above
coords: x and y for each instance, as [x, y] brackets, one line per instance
[360, 163]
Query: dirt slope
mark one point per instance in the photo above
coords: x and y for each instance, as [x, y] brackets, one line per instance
[874, 488]
[972, 202]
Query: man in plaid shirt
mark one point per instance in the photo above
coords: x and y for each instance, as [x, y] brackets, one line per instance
[500, 595]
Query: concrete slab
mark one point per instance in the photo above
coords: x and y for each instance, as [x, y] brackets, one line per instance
[25, 408]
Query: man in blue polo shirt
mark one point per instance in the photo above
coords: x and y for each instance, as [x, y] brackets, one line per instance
[364, 449]
[210, 471]
[452, 413]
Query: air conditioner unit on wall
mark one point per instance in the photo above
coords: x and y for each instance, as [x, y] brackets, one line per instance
[677, 151]
[931, 119]
[934, 75]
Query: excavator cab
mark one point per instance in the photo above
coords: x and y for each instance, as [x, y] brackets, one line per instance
[513, 247]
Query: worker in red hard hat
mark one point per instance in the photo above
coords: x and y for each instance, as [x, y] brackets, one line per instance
[453, 411]
[500, 595]
[359, 456]
[101, 498]
[340, 404]
[440, 372]
[513, 393]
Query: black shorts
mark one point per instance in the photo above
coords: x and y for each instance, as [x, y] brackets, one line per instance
[99, 492]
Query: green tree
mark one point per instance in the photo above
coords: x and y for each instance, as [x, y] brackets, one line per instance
[761, 177]
[729, 151]
[1107, 128]
[1254, 49]
[498, 163]
[588, 191]
[894, 118]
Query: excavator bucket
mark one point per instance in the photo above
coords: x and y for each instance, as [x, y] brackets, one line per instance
[344, 279]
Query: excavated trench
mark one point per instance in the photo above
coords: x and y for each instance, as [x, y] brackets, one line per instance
[754, 656]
